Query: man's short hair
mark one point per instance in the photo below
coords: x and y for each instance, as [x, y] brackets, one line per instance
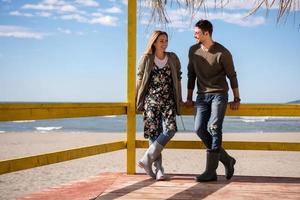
[205, 25]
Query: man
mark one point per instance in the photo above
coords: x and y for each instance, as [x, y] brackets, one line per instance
[210, 63]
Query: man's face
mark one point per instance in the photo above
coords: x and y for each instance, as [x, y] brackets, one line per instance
[199, 35]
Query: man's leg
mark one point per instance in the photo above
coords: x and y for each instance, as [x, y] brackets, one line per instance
[219, 104]
[203, 106]
[203, 110]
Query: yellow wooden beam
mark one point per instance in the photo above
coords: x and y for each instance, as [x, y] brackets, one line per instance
[17, 164]
[290, 110]
[28, 111]
[234, 145]
[131, 87]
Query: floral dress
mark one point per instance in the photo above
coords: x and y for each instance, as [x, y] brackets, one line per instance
[160, 106]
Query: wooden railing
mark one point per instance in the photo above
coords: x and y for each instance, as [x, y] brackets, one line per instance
[27, 111]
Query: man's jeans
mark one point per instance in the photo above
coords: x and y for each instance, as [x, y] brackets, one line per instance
[210, 112]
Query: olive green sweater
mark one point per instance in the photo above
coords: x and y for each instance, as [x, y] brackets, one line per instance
[211, 69]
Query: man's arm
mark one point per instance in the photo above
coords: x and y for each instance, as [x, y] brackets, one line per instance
[189, 99]
[235, 104]
[191, 80]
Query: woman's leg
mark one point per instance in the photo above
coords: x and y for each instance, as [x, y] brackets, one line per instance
[159, 170]
[152, 128]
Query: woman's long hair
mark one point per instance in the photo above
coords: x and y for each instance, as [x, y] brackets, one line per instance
[150, 49]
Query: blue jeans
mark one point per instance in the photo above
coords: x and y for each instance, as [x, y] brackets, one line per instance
[210, 113]
[163, 138]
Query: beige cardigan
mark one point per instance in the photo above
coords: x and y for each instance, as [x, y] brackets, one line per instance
[145, 67]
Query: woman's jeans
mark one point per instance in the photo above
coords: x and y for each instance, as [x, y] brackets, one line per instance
[163, 138]
[210, 112]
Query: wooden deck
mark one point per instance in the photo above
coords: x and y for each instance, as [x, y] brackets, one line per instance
[178, 187]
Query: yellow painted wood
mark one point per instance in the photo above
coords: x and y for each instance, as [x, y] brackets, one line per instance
[29, 111]
[17, 164]
[289, 110]
[131, 86]
[235, 145]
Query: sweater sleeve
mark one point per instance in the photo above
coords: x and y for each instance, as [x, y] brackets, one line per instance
[191, 72]
[178, 66]
[141, 68]
[227, 63]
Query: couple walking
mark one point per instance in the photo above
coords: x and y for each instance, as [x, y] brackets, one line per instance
[159, 97]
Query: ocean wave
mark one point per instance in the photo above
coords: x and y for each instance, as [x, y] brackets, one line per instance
[254, 119]
[251, 119]
[2, 131]
[48, 128]
[110, 116]
[23, 121]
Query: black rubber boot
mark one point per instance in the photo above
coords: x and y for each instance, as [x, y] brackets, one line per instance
[228, 163]
[210, 174]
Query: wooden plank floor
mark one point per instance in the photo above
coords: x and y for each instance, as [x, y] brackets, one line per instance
[108, 186]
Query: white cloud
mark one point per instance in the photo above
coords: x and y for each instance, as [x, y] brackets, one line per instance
[51, 5]
[107, 20]
[19, 32]
[70, 10]
[90, 3]
[39, 7]
[238, 19]
[65, 31]
[43, 14]
[125, 2]
[80, 33]
[17, 13]
[235, 4]
[181, 19]
[75, 17]
[113, 9]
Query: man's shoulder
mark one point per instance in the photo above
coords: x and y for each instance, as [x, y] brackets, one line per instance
[221, 48]
[194, 48]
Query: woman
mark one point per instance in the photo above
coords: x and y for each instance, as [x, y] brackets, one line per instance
[159, 97]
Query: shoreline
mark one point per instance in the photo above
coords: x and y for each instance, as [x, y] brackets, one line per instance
[175, 161]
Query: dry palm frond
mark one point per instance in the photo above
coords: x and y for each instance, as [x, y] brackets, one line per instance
[159, 13]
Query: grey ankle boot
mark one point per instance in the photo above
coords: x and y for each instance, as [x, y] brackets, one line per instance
[159, 169]
[228, 163]
[149, 157]
[210, 174]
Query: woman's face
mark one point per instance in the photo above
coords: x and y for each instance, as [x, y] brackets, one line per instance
[161, 43]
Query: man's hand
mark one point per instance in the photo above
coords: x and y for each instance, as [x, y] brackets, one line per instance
[189, 103]
[234, 105]
[181, 103]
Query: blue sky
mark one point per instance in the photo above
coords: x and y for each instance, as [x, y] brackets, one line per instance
[76, 51]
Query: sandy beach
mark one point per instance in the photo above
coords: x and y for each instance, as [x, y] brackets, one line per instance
[13, 145]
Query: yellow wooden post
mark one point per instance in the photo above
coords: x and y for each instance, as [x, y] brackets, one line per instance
[131, 129]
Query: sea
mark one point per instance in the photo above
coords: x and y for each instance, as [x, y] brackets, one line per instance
[117, 124]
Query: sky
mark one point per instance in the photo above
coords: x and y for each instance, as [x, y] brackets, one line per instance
[76, 51]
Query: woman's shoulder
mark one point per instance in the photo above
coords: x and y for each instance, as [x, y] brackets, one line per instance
[146, 57]
[172, 55]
